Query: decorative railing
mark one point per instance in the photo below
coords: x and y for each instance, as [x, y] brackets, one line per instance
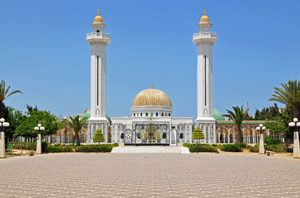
[204, 35]
[98, 35]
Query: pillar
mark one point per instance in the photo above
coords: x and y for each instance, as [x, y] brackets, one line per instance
[296, 151]
[2, 145]
[261, 144]
[39, 144]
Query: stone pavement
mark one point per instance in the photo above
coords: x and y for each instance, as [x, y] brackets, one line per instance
[149, 175]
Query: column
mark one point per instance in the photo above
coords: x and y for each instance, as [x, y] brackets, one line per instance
[39, 144]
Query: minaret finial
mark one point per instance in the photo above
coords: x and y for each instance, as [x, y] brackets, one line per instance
[204, 11]
[98, 11]
[151, 85]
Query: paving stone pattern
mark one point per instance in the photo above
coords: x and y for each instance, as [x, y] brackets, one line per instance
[149, 175]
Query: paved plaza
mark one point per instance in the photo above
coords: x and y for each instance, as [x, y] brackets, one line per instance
[149, 175]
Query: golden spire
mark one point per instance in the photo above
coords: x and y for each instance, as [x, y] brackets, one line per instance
[98, 11]
[204, 11]
[151, 85]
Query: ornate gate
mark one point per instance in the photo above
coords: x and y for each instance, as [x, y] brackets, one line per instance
[152, 134]
[128, 140]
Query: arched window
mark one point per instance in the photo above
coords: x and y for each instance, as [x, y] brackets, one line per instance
[146, 114]
[162, 114]
[141, 114]
[169, 114]
[134, 115]
[156, 114]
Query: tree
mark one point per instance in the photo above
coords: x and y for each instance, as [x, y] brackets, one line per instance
[3, 95]
[198, 134]
[238, 116]
[289, 95]
[99, 137]
[76, 124]
[34, 117]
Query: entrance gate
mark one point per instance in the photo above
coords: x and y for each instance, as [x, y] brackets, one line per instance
[148, 134]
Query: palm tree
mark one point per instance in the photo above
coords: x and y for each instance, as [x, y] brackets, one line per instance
[289, 95]
[76, 124]
[238, 116]
[4, 94]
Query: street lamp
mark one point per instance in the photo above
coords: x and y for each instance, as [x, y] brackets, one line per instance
[39, 140]
[261, 128]
[296, 125]
[2, 137]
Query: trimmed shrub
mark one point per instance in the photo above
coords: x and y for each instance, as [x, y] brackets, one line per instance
[44, 146]
[116, 144]
[198, 148]
[279, 148]
[98, 137]
[231, 148]
[214, 145]
[67, 149]
[198, 134]
[97, 148]
[25, 145]
[186, 145]
[270, 141]
[78, 149]
[54, 149]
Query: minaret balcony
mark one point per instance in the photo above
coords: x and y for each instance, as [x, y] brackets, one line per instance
[204, 35]
[100, 35]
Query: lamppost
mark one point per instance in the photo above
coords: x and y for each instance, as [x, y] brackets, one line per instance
[261, 128]
[296, 125]
[2, 137]
[39, 140]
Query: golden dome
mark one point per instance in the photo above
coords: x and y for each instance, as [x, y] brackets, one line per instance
[152, 97]
[98, 18]
[204, 18]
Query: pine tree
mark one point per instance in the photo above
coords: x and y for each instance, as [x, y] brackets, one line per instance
[198, 134]
[99, 137]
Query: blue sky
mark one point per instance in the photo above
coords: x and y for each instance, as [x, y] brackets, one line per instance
[43, 52]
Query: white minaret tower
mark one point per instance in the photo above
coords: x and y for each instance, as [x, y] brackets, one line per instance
[204, 41]
[98, 41]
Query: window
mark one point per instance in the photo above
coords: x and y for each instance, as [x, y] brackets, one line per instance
[156, 114]
[134, 115]
[141, 114]
[146, 114]
[169, 114]
[98, 31]
[151, 114]
[162, 114]
[165, 114]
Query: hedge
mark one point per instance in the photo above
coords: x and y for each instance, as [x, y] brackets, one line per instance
[254, 149]
[279, 148]
[271, 141]
[231, 148]
[97, 148]
[199, 148]
[28, 145]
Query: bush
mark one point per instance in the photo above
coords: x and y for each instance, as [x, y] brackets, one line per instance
[254, 149]
[68, 149]
[271, 141]
[279, 148]
[25, 145]
[242, 145]
[214, 145]
[186, 145]
[44, 146]
[198, 148]
[98, 148]
[116, 144]
[54, 149]
[231, 148]
[78, 149]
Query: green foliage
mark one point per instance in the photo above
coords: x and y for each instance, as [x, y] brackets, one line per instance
[270, 141]
[254, 149]
[28, 145]
[268, 113]
[238, 116]
[186, 145]
[198, 134]
[116, 144]
[200, 148]
[242, 145]
[98, 137]
[44, 146]
[288, 95]
[33, 117]
[76, 124]
[214, 145]
[79, 149]
[278, 148]
[59, 149]
[231, 148]
[98, 148]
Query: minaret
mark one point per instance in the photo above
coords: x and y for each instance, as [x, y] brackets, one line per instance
[204, 41]
[98, 41]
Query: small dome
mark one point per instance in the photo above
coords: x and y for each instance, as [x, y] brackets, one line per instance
[98, 18]
[218, 115]
[152, 97]
[204, 18]
[88, 115]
